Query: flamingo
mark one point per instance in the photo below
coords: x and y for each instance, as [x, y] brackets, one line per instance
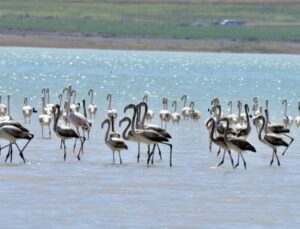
[219, 141]
[297, 119]
[150, 113]
[195, 114]
[277, 129]
[233, 118]
[92, 107]
[244, 132]
[87, 129]
[6, 116]
[77, 119]
[148, 137]
[44, 119]
[64, 132]
[27, 111]
[153, 127]
[271, 140]
[12, 134]
[287, 120]
[3, 107]
[255, 109]
[111, 112]
[164, 114]
[114, 143]
[74, 106]
[237, 144]
[241, 117]
[175, 117]
[185, 111]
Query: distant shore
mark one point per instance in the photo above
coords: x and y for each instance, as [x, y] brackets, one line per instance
[73, 40]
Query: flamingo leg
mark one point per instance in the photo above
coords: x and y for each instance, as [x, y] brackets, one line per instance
[113, 157]
[81, 147]
[149, 155]
[243, 160]
[275, 152]
[120, 157]
[74, 146]
[152, 153]
[49, 131]
[218, 153]
[238, 161]
[139, 153]
[65, 152]
[8, 154]
[159, 151]
[170, 151]
[271, 162]
[292, 139]
[232, 162]
[223, 158]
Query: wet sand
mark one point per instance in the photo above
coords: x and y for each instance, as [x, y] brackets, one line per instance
[75, 40]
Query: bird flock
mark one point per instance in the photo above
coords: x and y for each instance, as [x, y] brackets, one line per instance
[68, 119]
[230, 133]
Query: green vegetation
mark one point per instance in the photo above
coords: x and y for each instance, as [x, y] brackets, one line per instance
[264, 21]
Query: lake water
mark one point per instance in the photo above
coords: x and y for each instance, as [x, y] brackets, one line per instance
[50, 193]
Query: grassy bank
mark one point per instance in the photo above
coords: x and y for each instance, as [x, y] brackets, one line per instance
[264, 22]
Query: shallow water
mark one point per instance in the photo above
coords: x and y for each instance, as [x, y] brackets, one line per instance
[194, 193]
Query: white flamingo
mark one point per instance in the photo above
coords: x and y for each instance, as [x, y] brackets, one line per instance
[150, 113]
[287, 119]
[297, 119]
[164, 114]
[74, 106]
[78, 120]
[175, 117]
[3, 107]
[27, 110]
[6, 116]
[186, 110]
[233, 118]
[92, 108]
[195, 114]
[111, 112]
[44, 118]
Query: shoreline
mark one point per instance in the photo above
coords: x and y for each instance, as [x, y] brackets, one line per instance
[75, 40]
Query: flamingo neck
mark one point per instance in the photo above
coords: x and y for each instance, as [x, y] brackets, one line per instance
[107, 131]
[230, 108]
[262, 127]
[175, 106]
[144, 116]
[184, 103]
[109, 101]
[8, 105]
[285, 108]
[84, 108]
[48, 96]
[56, 119]
[212, 131]
[126, 129]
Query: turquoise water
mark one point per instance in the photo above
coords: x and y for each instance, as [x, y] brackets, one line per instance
[194, 193]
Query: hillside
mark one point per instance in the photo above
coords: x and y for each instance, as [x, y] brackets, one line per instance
[270, 21]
